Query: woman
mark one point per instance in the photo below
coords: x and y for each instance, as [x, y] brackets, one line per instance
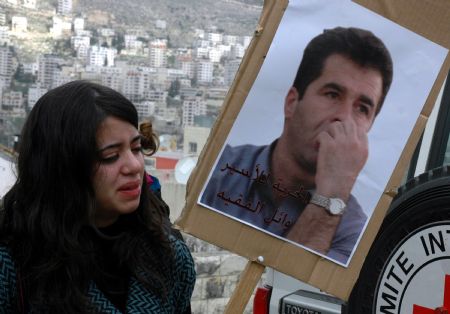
[80, 231]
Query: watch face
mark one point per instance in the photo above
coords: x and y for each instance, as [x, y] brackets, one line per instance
[337, 206]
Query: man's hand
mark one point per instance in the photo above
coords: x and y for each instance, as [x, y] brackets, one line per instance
[343, 151]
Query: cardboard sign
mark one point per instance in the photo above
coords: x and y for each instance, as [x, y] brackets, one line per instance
[260, 113]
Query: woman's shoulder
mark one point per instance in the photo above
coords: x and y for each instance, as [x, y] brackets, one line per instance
[4, 253]
[179, 246]
[7, 267]
[183, 258]
[5, 256]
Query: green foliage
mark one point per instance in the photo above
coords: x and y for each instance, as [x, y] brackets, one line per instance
[174, 88]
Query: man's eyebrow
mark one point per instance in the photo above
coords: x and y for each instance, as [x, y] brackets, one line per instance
[135, 139]
[335, 86]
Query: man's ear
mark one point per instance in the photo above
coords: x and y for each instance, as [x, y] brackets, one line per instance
[290, 102]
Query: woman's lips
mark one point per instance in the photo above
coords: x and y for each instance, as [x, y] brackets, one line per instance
[130, 189]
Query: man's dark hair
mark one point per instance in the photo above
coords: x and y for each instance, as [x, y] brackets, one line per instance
[359, 45]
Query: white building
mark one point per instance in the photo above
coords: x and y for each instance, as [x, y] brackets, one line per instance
[30, 68]
[204, 72]
[168, 114]
[2, 17]
[231, 68]
[136, 82]
[133, 46]
[145, 108]
[156, 96]
[192, 108]
[214, 54]
[158, 53]
[48, 67]
[13, 101]
[5, 82]
[7, 66]
[130, 41]
[4, 35]
[60, 26]
[112, 77]
[65, 75]
[101, 56]
[202, 52]
[64, 7]
[194, 139]
[107, 32]
[78, 24]
[215, 38]
[19, 24]
[81, 45]
[83, 32]
[203, 43]
[34, 93]
[230, 39]
[175, 74]
[30, 4]
[188, 68]
[237, 51]
[199, 33]
[161, 24]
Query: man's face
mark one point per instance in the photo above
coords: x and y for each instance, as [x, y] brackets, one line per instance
[344, 91]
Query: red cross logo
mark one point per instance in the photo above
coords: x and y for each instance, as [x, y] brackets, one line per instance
[445, 309]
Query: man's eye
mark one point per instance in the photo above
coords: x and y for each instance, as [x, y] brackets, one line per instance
[332, 95]
[364, 109]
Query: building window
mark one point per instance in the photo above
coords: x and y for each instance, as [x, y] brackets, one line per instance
[192, 147]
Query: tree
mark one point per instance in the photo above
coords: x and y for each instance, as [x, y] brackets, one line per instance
[174, 88]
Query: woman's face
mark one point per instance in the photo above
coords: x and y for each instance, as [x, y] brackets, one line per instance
[118, 177]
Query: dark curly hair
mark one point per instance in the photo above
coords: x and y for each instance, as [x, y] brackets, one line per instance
[47, 222]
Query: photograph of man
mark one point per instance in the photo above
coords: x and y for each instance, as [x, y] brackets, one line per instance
[299, 187]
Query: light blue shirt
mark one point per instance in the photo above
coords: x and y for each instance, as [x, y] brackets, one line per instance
[241, 187]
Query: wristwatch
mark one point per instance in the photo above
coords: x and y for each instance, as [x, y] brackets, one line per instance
[334, 206]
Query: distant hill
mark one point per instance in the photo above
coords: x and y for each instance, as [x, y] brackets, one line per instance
[234, 17]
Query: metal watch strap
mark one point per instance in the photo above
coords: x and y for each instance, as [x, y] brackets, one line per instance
[334, 206]
[321, 201]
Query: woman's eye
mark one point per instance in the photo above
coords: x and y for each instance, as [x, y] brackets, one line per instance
[109, 159]
[137, 149]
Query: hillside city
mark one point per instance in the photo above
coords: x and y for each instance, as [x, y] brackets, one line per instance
[173, 69]
[45, 44]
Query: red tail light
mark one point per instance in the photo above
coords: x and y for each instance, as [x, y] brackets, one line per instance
[262, 300]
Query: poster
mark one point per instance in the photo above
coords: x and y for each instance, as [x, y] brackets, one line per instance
[249, 165]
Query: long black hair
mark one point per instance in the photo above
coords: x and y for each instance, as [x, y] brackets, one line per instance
[48, 223]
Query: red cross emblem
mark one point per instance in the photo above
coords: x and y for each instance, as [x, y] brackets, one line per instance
[445, 309]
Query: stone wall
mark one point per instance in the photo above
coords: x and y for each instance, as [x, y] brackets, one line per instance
[218, 272]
